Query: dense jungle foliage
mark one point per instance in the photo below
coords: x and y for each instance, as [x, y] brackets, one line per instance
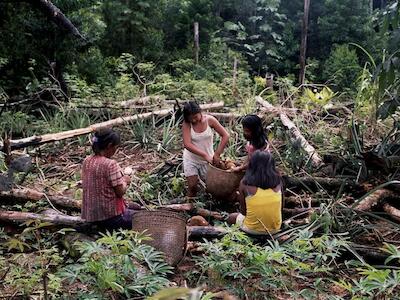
[127, 45]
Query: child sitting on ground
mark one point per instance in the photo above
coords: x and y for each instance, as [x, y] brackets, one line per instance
[260, 196]
[253, 132]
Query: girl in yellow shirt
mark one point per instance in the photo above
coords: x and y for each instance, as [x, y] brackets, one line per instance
[260, 197]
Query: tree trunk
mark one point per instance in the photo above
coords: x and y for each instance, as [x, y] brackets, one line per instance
[196, 42]
[303, 45]
[316, 160]
[52, 137]
[56, 16]
[234, 89]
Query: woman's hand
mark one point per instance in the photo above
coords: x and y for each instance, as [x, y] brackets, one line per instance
[236, 169]
[209, 159]
[127, 179]
[216, 160]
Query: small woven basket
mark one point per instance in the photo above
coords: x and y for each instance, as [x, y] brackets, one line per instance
[221, 183]
[167, 229]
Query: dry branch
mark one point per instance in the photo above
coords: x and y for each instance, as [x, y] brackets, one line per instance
[392, 211]
[316, 160]
[52, 137]
[373, 199]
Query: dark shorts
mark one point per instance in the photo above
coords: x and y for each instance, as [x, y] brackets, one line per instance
[123, 221]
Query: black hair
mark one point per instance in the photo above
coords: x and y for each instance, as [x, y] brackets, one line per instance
[189, 109]
[254, 124]
[262, 172]
[104, 137]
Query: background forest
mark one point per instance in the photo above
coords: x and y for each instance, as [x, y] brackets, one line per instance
[122, 45]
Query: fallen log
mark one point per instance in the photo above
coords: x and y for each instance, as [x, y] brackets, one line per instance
[226, 117]
[205, 232]
[54, 218]
[315, 183]
[393, 212]
[141, 101]
[371, 255]
[373, 199]
[190, 207]
[26, 194]
[52, 137]
[316, 160]
[290, 212]
[59, 219]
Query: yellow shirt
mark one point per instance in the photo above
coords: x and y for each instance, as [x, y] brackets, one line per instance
[263, 211]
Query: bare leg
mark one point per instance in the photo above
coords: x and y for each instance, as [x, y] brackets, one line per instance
[232, 218]
[192, 181]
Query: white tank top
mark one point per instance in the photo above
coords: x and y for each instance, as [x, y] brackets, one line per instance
[202, 140]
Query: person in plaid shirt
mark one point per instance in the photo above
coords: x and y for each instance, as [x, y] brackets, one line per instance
[104, 184]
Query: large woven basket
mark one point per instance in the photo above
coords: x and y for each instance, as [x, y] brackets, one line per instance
[167, 229]
[221, 183]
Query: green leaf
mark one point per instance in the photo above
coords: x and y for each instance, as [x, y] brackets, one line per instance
[231, 26]
[116, 287]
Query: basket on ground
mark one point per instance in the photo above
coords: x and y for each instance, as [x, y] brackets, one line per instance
[167, 230]
[222, 183]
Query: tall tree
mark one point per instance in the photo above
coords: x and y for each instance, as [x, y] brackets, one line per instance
[303, 45]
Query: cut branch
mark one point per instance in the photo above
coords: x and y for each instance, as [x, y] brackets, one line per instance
[52, 137]
[372, 200]
[316, 160]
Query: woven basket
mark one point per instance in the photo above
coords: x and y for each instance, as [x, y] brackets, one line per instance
[167, 229]
[221, 183]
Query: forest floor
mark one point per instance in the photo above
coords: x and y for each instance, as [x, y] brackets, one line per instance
[330, 250]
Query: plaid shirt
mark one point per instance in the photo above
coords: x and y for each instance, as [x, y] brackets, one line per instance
[99, 177]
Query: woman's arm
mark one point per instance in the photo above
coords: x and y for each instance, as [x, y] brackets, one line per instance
[242, 199]
[187, 142]
[121, 189]
[213, 123]
[242, 167]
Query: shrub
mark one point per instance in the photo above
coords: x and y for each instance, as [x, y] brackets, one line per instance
[342, 68]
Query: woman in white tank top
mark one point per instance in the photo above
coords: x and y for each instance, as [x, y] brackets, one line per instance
[198, 139]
